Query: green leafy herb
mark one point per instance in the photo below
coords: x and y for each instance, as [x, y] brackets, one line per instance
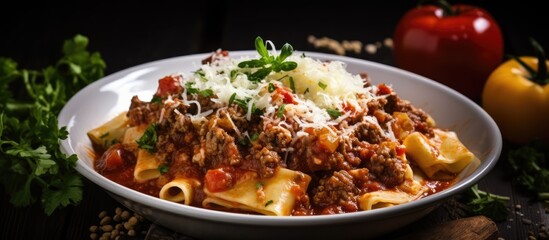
[204, 93]
[269, 203]
[156, 99]
[267, 63]
[243, 103]
[530, 169]
[234, 73]
[322, 85]
[259, 185]
[280, 111]
[488, 204]
[271, 87]
[334, 113]
[292, 84]
[163, 169]
[306, 91]
[231, 99]
[32, 167]
[149, 138]
[254, 136]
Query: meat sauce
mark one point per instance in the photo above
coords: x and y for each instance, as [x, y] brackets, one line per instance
[218, 156]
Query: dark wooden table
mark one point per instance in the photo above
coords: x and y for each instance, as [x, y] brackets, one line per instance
[131, 34]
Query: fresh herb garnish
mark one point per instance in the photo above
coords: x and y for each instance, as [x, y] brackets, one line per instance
[530, 169]
[306, 91]
[322, 85]
[269, 203]
[280, 111]
[149, 138]
[487, 204]
[231, 99]
[259, 185]
[156, 99]
[243, 103]
[30, 100]
[267, 63]
[292, 84]
[254, 136]
[204, 93]
[334, 113]
[163, 169]
[271, 87]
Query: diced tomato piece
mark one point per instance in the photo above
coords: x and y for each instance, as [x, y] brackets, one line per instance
[111, 159]
[218, 180]
[401, 150]
[168, 85]
[383, 89]
[285, 94]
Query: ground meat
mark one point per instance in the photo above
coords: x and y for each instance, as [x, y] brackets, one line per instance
[268, 162]
[337, 189]
[388, 168]
[369, 132]
[220, 149]
[142, 112]
[276, 138]
[418, 116]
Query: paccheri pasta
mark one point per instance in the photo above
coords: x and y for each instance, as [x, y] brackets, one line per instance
[278, 135]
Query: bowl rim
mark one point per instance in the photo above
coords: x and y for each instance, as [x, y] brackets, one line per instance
[484, 168]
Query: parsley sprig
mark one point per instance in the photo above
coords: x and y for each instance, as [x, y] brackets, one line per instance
[149, 138]
[268, 63]
[530, 169]
[487, 204]
[32, 167]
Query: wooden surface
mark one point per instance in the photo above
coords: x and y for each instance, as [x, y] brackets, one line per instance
[131, 35]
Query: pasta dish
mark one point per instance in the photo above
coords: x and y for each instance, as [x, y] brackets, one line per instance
[281, 134]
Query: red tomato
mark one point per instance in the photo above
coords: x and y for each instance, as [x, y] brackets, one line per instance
[168, 85]
[459, 49]
[218, 180]
[111, 159]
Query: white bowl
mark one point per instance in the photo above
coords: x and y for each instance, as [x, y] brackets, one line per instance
[104, 99]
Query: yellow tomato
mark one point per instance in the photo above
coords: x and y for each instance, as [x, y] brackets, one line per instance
[519, 105]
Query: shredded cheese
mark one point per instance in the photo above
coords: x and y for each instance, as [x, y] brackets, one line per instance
[314, 86]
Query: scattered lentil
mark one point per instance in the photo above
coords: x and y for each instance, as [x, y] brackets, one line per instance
[122, 223]
[105, 220]
[518, 207]
[102, 214]
[370, 48]
[388, 42]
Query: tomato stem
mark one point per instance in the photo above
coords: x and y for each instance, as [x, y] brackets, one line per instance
[447, 9]
[541, 76]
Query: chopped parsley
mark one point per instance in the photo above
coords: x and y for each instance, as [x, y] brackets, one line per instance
[271, 87]
[163, 169]
[280, 111]
[204, 93]
[156, 99]
[292, 84]
[322, 85]
[148, 140]
[334, 113]
[254, 136]
[269, 203]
